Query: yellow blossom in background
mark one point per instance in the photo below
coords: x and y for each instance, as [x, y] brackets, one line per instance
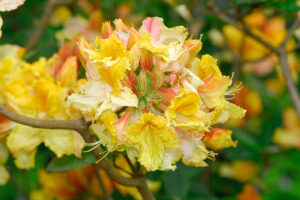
[288, 136]
[239, 170]
[272, 30]
[60, 15]
[71, 184]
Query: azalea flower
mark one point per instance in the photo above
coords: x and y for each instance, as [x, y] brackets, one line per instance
[148, 94]
[33, 90]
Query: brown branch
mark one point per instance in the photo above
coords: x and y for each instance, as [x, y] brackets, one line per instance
[82, 127]
[96, 169]
[130, 164]
[291, 31]
[293, 91]
[77, 125]
[50, 6]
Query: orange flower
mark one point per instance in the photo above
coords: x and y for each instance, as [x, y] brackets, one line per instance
[248, 193]
[250, 100]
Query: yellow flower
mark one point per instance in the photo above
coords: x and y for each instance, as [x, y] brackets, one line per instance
[152, 138]
[161, 40]
[24, 140]
[111, 60]
[94, 97]
[184, 112]
[218, 139]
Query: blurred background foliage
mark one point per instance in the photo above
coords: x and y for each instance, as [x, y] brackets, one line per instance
[265, 163]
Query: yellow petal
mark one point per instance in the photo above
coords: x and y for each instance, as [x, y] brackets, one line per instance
[218, 139]
[4, 175]
[193, 152]
[25, 160]
[63, 142]
[184, 112]
[23, 139]
[152, 138]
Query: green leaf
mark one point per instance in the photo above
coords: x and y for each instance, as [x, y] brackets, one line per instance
[70, 162]
[249, 1]
[176, 184]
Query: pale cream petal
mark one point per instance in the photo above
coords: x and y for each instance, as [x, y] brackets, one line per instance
[63, 142]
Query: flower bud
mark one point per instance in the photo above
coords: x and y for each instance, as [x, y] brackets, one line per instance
[142, 83]
[120, 26]
[146, 61]
[157, 78]
[106, 30]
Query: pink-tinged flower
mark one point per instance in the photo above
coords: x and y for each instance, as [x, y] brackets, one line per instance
[121, 124]
[153, 25]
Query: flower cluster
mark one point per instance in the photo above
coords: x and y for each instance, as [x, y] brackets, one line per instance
[38, 90]
[147, 93]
